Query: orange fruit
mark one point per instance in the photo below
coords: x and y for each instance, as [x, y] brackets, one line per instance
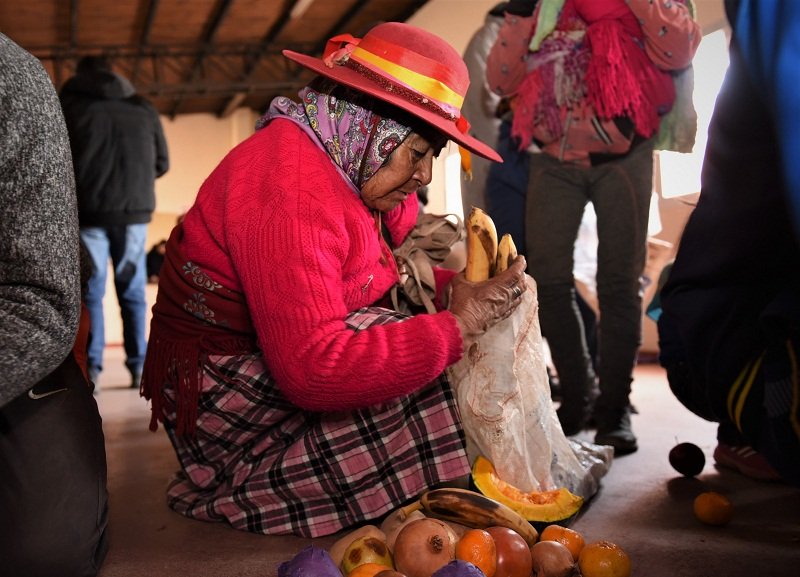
[367, 570]
[713, 508]
[604, 559]
[570, 538]
[478, 547]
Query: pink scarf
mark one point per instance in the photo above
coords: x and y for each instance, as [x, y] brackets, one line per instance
[595, 53]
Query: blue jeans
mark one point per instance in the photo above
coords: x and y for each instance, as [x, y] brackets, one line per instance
[125, 245]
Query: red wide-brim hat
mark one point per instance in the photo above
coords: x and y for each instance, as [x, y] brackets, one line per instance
[407, 67]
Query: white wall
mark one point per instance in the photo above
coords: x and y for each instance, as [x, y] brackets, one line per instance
[197, 142]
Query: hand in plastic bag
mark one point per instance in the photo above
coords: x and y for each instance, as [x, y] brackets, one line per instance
[508, 415]
[479, 306]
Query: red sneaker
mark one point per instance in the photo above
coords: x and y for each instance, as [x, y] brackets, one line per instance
[745, 460]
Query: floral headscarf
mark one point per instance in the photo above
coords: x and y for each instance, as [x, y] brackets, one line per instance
[346, 124]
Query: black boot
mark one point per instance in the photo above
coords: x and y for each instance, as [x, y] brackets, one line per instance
[614, 429]
[575, 411]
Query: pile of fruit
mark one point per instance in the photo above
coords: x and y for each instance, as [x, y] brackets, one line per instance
[459, 533]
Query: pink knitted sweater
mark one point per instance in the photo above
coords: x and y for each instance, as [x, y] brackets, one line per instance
[276, 221]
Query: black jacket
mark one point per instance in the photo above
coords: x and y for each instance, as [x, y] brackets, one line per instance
[118, 149]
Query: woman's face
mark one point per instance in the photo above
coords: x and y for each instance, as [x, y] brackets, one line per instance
[408, 167]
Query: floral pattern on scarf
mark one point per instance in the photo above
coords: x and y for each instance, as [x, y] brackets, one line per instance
[342, 121]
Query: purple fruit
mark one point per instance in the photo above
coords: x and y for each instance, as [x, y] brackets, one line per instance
[459, 568]
[687, 458]
[310, 562]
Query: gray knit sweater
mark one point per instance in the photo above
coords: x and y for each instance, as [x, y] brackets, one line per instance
[39, 272]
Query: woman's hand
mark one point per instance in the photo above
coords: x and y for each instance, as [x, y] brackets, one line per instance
[478, 306]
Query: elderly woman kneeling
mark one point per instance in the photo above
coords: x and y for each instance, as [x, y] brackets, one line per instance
[297, 401]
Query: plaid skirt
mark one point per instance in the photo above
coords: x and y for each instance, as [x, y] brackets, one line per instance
[264, 465]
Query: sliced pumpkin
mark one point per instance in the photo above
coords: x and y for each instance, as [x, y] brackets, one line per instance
[536, 506]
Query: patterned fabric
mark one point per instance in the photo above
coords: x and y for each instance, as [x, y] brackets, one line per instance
[595, 53]
[357, 139]
[261, 464]
[217, 321]
[536, 50]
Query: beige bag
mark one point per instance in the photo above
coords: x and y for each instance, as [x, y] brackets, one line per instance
[426, 246]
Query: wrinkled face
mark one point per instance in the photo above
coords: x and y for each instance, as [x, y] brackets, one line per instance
[408, 168]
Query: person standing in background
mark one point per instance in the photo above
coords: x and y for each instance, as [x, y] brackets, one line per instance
[480, 106]
[53, 496]
[592, 81]
[155, 258]
[118, 151]
[506, 183]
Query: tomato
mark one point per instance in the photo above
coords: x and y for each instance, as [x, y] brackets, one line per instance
[513, 553]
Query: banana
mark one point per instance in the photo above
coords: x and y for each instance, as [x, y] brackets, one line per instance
[481, 246]
[506, 253]
[475, 510]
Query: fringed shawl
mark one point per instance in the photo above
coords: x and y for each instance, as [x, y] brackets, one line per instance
[592, 51]
[193, 316]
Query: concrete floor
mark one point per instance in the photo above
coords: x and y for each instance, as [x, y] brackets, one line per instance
[643, 505]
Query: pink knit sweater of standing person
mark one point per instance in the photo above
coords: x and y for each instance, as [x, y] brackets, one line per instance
[277, 222]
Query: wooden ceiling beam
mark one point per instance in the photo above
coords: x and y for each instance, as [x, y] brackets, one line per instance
[339, 25]
[144, 37]
[275, 29]
[263, 47]
[221, 76]
[166, 50]
[73, 22]
[221, 11]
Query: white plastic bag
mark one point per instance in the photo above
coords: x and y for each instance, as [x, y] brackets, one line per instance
[508, 415]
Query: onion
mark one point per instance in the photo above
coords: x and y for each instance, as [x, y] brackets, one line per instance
[459, 568]
[552, 559]
[392, 530]
[423, 546]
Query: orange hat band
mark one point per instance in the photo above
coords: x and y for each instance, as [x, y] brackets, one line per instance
[403, 72]
[426, 76]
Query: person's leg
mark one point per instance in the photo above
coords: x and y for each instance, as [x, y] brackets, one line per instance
[96, 242]
[53, 497]
[621, 192]
[130, 279]
[733, 451]
[764, 405]
[555, 204]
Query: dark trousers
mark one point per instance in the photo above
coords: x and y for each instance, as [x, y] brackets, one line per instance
[53, 498]
[620, 192]
[759, 407]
